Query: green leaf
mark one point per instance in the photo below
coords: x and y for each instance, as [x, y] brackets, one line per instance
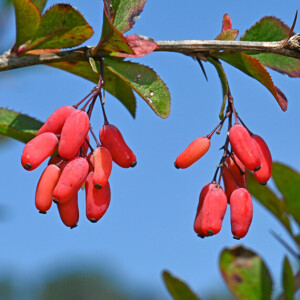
[224, 82]
[17, 125]
[28, 19]
[126, 12]
[228, 35]
[256, 70]
[287, 181]
[145, 82]
[245, 274]
[178, 289]
[113, 84]
[273, 29]
[111, 39]
[268, 199]
[40, 4]
[288, 280]
[62, 26]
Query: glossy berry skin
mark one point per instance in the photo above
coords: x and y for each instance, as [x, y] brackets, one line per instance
[73, 134]
[241, 212]
[211, 212]
[38, 149]
[57, 120]
[265, 172]
[232, 170]
[244, 147]
[193, 152]
[203, 193]
[72, 178]
[45, 187]
[102, 166]
[112, 139]
[97, 200]
[69, 212]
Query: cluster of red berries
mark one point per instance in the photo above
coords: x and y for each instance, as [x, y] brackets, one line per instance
[248, 151]
[65, 137]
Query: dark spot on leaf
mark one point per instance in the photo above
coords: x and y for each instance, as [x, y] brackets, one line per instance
[237, 278]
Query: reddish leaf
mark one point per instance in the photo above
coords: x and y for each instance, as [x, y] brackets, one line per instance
[255, 69]
[126, 12]
[227, 33]
[111, 40]
[139, 46]
[42, 51]
[227, 24]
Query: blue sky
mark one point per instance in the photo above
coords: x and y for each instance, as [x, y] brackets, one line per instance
[149, 224]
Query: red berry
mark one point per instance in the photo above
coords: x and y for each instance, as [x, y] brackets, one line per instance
[193, 152]
[72, 178]
[265, 172]
[244, 147]
[56, 121]
[97, 200]
[73, 134]
[241, 212]
[112, 139]
[45, 187]
[231, 174]
[102, 166]
[38, 149]
[69, 212]
[211, 212]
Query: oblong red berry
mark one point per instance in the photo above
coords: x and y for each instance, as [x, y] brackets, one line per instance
[232, 176]
[71, 179]
[244, 147]
[265, 172]
[112, 139]
[73, 134]
[45, 187]
[193, 152]
[69, 212]
[241, 212]
[38, 149]
[102, 166]
[97, 200]
[211, 212]
[57, 120]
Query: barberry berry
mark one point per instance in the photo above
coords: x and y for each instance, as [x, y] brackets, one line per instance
[73, 134]
[193, 152]
[244, 147]
[38, 149]
[265, 172]
[97, 200]
[57, 120]
[45, 187]
[241, 212]
[112, 139]
[72, 178]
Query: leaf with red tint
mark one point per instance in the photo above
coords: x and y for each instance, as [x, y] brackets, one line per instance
[272, 29]
[140, 46]
[252, 67]
[227, 24]
[42, 51]
[111, 40]
[126, 13]
[227, 33]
